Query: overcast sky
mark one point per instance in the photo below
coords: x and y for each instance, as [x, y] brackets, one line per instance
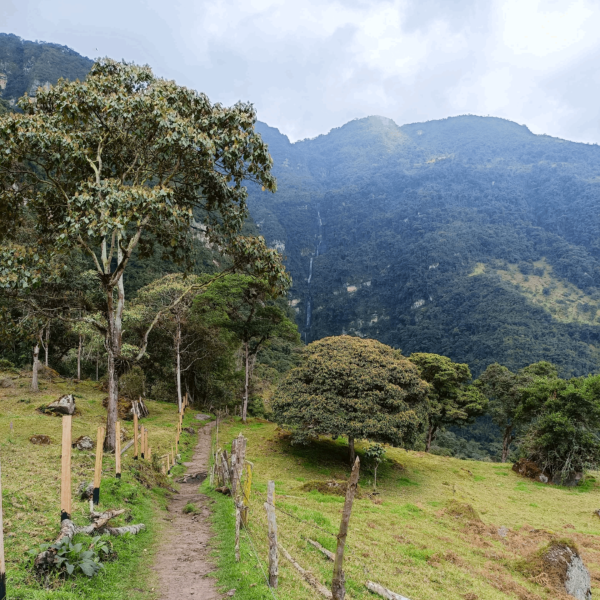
[311, 65]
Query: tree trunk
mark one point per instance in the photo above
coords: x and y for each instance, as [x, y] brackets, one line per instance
[113, 347]
[245, 406]
[178, 351]
[375, 479]
[506, 439]
[351, 449]
[430, 437]
[97, 362]
[36, 366]
[79, 350]
[47, 346]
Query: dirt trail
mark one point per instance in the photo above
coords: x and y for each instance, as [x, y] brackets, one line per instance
[182, 562]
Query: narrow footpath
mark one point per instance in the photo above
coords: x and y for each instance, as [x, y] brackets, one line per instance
[182, 562]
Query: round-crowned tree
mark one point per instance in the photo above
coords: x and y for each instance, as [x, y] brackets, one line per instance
[353, 387]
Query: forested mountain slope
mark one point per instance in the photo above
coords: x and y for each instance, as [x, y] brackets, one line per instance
[25, 65]
[469, 237]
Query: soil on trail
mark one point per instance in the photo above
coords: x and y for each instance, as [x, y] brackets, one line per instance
[182, 562]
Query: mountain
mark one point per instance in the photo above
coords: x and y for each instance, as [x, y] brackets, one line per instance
[469, 237]
[25, 66]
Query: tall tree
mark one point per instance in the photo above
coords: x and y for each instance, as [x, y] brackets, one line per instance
[505, 391]
[251, 311]
[453, 402]
[353, 387]
[564, 419]
[124, 161]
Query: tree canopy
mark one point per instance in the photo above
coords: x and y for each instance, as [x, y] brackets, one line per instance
[452, 402]
[124, 161]
[359, 388]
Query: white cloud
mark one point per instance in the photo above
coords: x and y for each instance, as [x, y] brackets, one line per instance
[313, 65]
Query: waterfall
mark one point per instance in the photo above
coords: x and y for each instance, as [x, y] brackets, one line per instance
[310, 271]
[308, 313]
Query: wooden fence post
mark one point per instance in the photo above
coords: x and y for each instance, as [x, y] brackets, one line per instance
[98, 467]
[338, 584]
[118, 449]
[146, 444]
[272, 523]
[2, 562]
[238, 520]
[246, 493]
[65, 469]
[143, 443]
[135, 436]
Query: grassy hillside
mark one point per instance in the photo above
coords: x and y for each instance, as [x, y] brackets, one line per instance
[416, 536]
[31, 490]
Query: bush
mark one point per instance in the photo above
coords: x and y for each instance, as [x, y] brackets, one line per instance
[72, 557]
[133, 384]
[6, 365]
[163, 392]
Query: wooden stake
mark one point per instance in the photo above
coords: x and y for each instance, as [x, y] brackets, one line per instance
[118, 449]
[272, 523]
[146, 443]
[238, 521]
[338, 584]
[98, 467]
[143, 443]
[2, 562]
[324, 551]
[247, 489]
[135, 436]
[65, 469]
[149, 453]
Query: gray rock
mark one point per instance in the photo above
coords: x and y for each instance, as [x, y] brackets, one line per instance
[6, 382]
[65, 405]
[202, 417]
[503, 532]
[572, 480]
[578, 582]
[83, 443]
[543, 478]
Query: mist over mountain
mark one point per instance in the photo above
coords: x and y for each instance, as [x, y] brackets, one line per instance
[469, 237]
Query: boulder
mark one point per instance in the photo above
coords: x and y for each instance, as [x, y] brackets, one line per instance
[563, 561]
[6, 382]
[40, 440]
[189, 430]
[572, 480]
[65, 405]
[83, 442]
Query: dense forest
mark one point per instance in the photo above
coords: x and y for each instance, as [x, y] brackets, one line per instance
[25, 65]
[469, 237]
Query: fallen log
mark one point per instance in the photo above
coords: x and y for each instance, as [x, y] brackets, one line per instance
[129, 444]
[327, 553]
[308, 576]
[384, 592]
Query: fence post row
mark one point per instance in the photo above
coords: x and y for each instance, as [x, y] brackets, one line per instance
[272, 524]
[65, 469]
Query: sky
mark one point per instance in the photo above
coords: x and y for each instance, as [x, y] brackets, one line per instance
[311, 65]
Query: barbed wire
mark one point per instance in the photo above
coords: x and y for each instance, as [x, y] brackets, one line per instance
[289, 514]
[247, 532]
